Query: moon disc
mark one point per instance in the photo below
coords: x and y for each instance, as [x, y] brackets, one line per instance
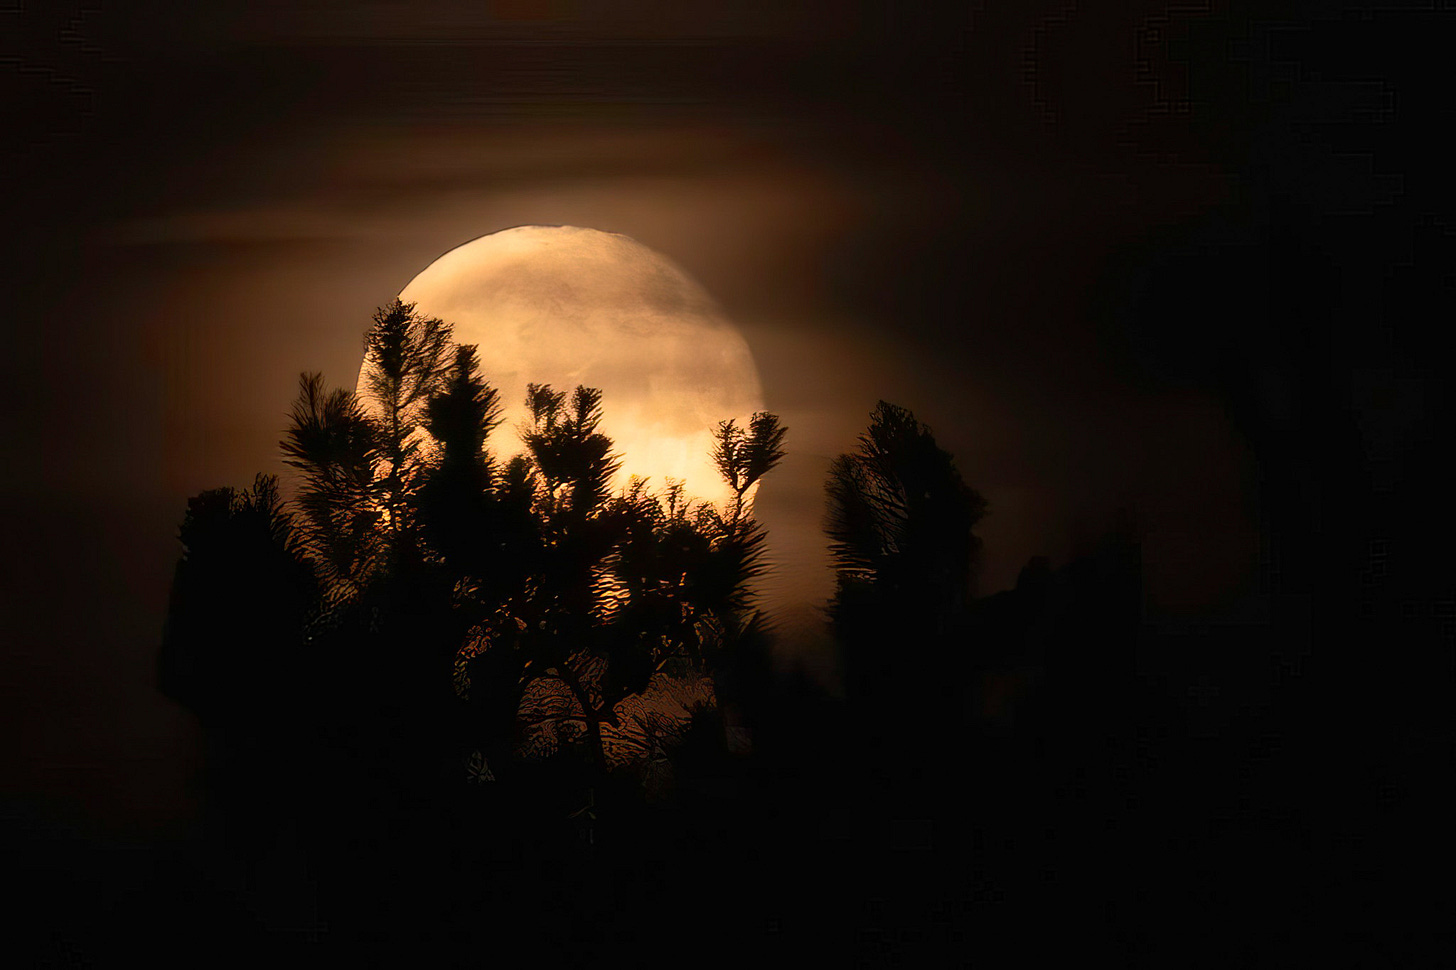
[562, 305]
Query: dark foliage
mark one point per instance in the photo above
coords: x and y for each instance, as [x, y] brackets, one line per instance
[900, 521]
[240, 600]
[406, 362]
[436, 632]
[900, 518]
[331, 441]
[236, 653]
[745, 455]
[484, 696]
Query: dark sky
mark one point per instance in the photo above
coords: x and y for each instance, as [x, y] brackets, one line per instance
[1168, 258]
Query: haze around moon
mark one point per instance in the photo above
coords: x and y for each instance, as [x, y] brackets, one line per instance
[564, 306]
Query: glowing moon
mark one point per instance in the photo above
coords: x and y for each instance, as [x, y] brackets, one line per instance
[565, 306]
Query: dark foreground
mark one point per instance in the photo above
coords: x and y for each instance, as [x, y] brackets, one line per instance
[1121, 846]
[1095, 789]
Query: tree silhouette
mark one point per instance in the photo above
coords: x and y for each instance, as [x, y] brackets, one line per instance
[363, 461]
[406, 361]
[744, 455]
[234, 652]
[335, 446]
[434, 650]
[241, 595]
[900, 522]
[477, 613]
[624, 596]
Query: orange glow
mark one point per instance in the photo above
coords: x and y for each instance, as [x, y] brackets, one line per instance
[565, 306]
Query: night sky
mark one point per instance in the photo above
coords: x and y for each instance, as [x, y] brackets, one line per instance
[1173, 263]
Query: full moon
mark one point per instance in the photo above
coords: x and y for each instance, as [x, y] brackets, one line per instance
[564, 306]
